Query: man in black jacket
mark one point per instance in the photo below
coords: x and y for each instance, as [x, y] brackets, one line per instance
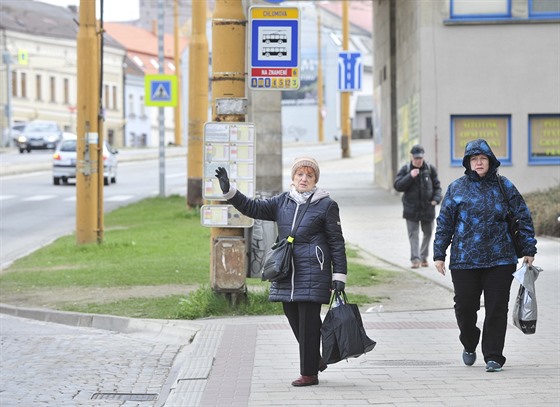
[421, 189]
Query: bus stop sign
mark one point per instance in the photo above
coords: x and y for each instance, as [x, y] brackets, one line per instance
[274, 48]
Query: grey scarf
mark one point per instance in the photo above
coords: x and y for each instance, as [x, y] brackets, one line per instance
[302, 197]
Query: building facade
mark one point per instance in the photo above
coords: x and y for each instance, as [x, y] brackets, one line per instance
[449, 71]
[40, 41]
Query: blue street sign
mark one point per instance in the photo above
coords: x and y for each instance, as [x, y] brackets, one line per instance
[273, 53]
[160, 90]
[350, 71]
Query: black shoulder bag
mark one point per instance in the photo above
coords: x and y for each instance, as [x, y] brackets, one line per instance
[512, 221]
[278, 261]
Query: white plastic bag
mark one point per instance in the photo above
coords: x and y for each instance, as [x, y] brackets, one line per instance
[525, 308]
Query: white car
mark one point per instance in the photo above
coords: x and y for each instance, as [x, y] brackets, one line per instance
[64, 161]
[17, 128]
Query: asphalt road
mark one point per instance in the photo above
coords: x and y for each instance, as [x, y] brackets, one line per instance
[35, 212]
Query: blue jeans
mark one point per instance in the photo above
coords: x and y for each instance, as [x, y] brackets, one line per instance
[495, 284]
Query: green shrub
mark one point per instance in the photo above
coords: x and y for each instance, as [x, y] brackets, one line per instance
[545, 210]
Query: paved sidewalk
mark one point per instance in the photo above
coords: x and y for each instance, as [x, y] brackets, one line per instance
[251, 361]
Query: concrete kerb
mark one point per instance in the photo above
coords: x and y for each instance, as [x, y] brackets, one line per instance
[168, 331]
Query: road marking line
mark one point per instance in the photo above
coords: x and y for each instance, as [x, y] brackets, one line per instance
[5, 197]
[119, 198]
[40, 198]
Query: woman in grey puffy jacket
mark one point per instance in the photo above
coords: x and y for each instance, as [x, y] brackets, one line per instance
[473, 220]
[319, 256]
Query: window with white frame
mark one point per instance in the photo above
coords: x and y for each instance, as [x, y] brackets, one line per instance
[38, 88]
[107, 96]
[115, 98]
[131, 112]
[14, 84]
[142, 107]
[480, 8]
[23, 80]
[66, 91]
[52, 81]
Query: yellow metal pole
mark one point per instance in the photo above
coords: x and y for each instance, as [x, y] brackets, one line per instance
[228, 74]
[198, 102]
[87, 126]
[320, 80]
[100, 127]
[345, 96]
[177, 49]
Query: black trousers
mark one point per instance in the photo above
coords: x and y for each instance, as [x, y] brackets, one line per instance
[495, 284]
[305, 320]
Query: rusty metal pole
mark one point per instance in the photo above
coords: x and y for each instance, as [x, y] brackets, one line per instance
[177, 50]
[228, 75]
[345, 96]
[87, 165]
[198, 103]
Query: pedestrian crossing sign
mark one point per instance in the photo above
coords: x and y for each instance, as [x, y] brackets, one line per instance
[160, 90]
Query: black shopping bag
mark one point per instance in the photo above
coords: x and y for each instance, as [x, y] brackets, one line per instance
[342, 333]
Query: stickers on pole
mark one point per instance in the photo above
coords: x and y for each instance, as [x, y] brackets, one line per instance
[274, 38]
[230, 145]
[224, 216]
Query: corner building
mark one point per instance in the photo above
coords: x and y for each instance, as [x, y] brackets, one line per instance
[449, 71]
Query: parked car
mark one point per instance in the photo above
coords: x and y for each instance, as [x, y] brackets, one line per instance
[64, 161]
[17, 129]
[39, 135]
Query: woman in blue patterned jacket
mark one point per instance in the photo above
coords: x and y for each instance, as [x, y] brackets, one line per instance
[472, 219]
[319, 255]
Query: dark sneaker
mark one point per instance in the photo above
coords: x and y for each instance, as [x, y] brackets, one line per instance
[469, 358]
[492, 366]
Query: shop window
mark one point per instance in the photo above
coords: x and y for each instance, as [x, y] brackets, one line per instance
[544, 8]
[544, 139]
[495, 129]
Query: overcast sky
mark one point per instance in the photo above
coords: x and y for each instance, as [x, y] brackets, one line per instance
[114, 10]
